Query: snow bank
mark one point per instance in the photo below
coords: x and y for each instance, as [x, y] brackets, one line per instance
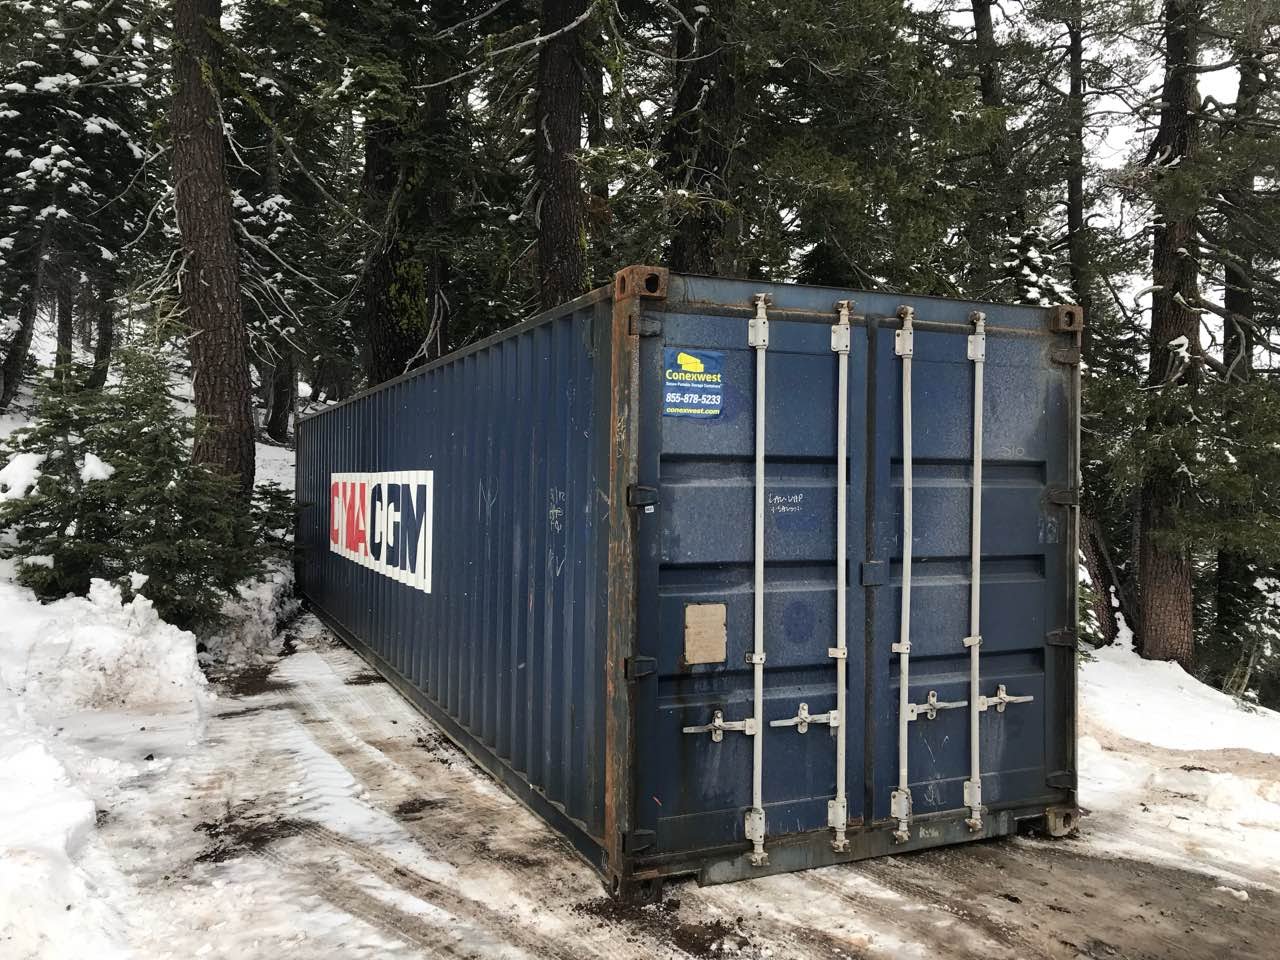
[1161, 704]
[1174, 771]
[94, 652]
[254, 619]
[65, 654]
[49, 907]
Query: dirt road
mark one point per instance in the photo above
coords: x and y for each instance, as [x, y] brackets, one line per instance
[323, 817]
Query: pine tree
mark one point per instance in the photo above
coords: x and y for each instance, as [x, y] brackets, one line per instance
[116, 495]
[76, 87]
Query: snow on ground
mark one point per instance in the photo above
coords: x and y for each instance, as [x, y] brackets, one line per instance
[296, 805]
[82, 668]
[1161, 704]
[1174, 771]
[299, 806]
[96, 695]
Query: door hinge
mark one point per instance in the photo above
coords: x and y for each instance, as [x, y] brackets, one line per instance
[1061, 779]
[638, 495]
[635, 841]
[1064, 496]
[643, 325]
[637, 668]
[875, 573]
[1066, 637]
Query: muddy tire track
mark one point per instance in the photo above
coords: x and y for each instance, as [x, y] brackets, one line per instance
[997, 941]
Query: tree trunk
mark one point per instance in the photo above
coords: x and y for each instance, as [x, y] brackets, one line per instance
[1237, 598]
[436, 340]
[1165, 573]
[392, 337]
[562, 268]
[598, 214]
[1008, 194]
[210, 282]
[64, 352]
[105, 339]
[1078, 245]
[699, 144]
[991, 91]
[85, 330]
[15, 358]
[284, 390]
[1104, 587]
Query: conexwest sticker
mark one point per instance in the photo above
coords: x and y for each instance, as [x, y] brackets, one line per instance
[693, 383]
[383, 521]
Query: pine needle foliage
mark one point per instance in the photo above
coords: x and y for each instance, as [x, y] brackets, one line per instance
[118, 498]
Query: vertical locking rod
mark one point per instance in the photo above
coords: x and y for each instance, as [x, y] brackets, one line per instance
[900, 803]
[838, 812]
[973, 788]
[758, 337]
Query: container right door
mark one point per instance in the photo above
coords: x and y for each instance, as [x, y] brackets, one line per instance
[1025, 537]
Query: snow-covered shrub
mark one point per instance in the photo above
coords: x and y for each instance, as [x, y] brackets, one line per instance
[101, 486]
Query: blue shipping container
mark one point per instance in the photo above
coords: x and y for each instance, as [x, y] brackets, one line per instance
[606, 551]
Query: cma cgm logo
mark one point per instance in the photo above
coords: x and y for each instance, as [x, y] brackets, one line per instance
[383, 521]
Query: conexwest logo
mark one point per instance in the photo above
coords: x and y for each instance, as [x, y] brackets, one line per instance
[383, 521]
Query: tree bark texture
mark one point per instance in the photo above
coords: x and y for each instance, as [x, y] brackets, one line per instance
[562, 267]
[1165, 571]
[284, 390]
[991, 90]
[1238, 298]
[598, 213]
[1078, 245]
[104, 339]
[436, 341]
[393, 338]
[1095, 562]
[209, 282]
[1237, 596]
[64, 351]
[85, 328]
[15, 357]
[699, 143]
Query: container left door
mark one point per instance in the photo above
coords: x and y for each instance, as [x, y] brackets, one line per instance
[696, 551]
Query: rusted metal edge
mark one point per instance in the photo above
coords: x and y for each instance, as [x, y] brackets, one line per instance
[630, 285]
[1066, 318]
[1073, 328]
[639, 280]
[804, 851]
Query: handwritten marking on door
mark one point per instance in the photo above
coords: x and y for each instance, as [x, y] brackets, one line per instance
[786, 502]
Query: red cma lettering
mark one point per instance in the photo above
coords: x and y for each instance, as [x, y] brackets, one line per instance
[335, 508]
[356, 509]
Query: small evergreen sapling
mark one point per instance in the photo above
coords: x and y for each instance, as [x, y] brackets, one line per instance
[118, 498]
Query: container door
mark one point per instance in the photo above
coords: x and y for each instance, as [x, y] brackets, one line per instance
[1023, 537]
[696, 571]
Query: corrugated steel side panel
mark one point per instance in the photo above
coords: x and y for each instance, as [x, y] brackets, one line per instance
[508, 646]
